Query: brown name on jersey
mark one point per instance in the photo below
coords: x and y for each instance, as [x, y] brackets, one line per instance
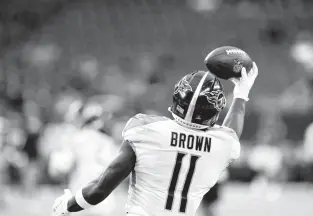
[198, 143]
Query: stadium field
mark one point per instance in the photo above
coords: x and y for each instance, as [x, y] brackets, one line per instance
[236, 200]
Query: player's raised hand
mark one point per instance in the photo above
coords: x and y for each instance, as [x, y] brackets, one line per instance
[244, 84]
[60, 204]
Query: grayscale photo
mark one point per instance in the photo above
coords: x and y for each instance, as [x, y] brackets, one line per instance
[156, 108]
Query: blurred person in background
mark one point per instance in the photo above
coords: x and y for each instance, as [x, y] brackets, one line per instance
[296, 102]
[33, 125]
[266, 158]
[93, 151]
[15, 159]
[55, 141]
[295, 106]
[3, 134]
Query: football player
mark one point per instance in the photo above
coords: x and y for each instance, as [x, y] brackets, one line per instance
[172, 163]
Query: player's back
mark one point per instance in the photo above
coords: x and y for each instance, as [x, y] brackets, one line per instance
[175, 166]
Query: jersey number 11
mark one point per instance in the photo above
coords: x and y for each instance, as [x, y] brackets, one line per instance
[176, 171]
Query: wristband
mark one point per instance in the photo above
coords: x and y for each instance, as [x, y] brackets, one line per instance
[81, 200]
[241, 95]
[243, 98]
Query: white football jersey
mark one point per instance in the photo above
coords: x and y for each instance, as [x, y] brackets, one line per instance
[175, 166]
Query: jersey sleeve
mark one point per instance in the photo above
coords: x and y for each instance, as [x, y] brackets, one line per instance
[135, 131]
[230, 132]
[235, 143]
[235, 150]
[133, 127]
[233, 139]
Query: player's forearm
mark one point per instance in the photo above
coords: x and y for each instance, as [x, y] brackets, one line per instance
[96, 191]
[235, 116]
[108, 181]
[73, 206]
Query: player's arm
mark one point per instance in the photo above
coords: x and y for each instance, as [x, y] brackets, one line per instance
[99, 189]
[235, 116]
[96, 191]
[236, 113]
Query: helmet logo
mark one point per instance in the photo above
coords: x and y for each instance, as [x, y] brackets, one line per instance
[216, 98]
[182, 87]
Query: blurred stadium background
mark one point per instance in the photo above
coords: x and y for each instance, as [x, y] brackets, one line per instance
[65, 64]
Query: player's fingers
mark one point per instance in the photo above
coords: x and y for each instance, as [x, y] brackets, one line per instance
[244, 75]
[67, 192]
[56, 204]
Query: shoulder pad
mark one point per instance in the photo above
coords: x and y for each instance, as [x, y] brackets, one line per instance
[141, 120]
[235, 153]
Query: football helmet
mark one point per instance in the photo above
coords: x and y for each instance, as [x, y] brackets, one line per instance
[198, 100]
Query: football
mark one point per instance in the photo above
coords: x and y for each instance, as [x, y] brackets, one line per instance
[226, 62]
